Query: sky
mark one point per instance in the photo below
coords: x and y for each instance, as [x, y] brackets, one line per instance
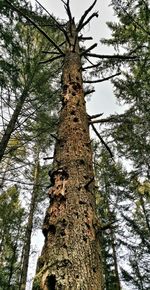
[103, 100]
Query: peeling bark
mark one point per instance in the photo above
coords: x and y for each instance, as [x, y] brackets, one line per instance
[70, 257]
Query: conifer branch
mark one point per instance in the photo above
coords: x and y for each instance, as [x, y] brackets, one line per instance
[58, 25]
[88, 49]
[91, 66]
[102, 80]
[114, 56]
[51, 59]
[101, 139]
[79, 27]
[35, 25]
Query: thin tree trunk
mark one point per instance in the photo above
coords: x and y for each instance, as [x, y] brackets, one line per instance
[70, 257]
[28, 232]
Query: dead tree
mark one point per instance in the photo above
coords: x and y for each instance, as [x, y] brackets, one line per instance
[71, 257]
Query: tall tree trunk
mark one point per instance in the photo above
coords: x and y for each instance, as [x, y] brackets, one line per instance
[70, 257]
[27, 245]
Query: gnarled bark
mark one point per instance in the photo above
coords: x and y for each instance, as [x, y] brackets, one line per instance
[70, 257]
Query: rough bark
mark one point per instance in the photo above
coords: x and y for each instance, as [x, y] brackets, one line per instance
[70, 257]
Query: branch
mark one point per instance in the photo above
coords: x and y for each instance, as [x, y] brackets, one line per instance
[95, 116]
[55, 137]
[89, 92]
[35, 25]
[95, 14]
[88, 49]
[109, 120]
[117, 56]
[102, 141]
[50, 52]
[46, 158]
[81, 38]
[102, 80]
[57, 23]
[67, 7]
[84, 15]
[51, 59]
[91, 66]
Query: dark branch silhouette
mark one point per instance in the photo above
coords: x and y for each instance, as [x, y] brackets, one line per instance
[95, 116]
[102, 80]
[82, 38]
[117, 56]
[95, 14]
[51, 59]
[58, 25]
[102, 141]
[79, 27]
[89, 92]
[38, 27]
[67, 7]
[88, 49]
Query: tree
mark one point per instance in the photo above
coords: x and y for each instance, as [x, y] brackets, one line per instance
[130, 138]
[11, 241]
[71, 255]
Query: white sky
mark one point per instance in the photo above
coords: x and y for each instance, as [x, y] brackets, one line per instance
[103, 100]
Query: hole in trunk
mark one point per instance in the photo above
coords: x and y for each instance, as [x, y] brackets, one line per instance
[52, 229]
[51, 283]
[75, 120]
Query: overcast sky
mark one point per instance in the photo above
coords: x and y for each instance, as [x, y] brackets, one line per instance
[103, 100]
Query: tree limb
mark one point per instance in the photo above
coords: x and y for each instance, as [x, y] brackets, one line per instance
[102, 141]
[89, 92]
[95, 116]
[95, 14]
[102, 80]
[51, 59]
[57, 23]
[84, 15]
[81, 38]
[88, 49]
[35, 25]
[117, 56]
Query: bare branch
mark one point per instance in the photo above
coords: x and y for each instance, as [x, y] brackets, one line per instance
[95, 14]
[84, 15]
[35, 25]
[95, 116]
[67, 7]
[46, 158]
[81, 38]
[89, 92]
[88, 49]
[117, 56]
[51, 59]
[116, 119]
[102, 80]
[102, 141]
[91, 66]
[59, 26]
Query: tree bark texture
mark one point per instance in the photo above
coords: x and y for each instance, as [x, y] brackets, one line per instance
[70, 258]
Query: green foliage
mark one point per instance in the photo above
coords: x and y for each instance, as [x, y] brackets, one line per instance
[11, 235]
